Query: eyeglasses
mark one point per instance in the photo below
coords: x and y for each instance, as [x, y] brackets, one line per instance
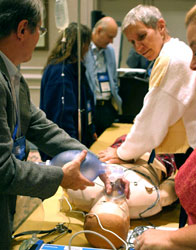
[42, 31]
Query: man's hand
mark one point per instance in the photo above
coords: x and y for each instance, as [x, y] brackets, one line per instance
[73, 179]
[125, 183]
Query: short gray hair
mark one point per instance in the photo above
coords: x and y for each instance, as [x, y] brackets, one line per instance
[149, 15]
[12, 12]
[191, 16]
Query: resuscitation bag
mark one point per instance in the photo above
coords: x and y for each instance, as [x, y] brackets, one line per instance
[91, 167]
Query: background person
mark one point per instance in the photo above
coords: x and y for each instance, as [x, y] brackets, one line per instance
[183, 238]
[135, 60]
[101, 73]
[59, 87]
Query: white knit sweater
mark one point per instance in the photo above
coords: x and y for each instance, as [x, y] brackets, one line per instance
[171, 96]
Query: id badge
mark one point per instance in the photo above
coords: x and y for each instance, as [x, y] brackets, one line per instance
[104, 83]
[19, 148]
[89, 118]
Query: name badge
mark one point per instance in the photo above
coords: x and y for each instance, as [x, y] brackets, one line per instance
[89, 110]
[89, 118]
[104, 82]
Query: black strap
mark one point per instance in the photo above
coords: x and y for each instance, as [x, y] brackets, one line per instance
[59, 228]
[34, 232]
[152, 156]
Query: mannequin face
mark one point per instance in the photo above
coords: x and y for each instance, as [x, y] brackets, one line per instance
[191, 38]
[146, 40]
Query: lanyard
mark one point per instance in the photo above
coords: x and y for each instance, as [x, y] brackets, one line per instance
[15, 130]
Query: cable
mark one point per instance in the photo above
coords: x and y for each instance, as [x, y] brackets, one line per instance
[156, 189]
[104, 229]
[135, 233]
[99, 184]
[99, 222]
[34, 232]
[92, 232]
[70, 207]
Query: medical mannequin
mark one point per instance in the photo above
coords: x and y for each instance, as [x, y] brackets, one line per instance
[149, 192]
[147, 186]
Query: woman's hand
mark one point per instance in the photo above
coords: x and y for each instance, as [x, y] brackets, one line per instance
[109, 155]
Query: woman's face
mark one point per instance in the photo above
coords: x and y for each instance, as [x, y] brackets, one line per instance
[146, 41]
[191, 38]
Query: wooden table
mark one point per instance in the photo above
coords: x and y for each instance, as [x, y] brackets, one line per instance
[48, 214]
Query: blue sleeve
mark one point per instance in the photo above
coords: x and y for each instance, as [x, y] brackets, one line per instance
[113, 67]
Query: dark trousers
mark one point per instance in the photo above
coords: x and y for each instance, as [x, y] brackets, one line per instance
[180, 160]
[105, 115]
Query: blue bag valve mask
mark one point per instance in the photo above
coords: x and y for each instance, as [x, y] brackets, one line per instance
[91, 167]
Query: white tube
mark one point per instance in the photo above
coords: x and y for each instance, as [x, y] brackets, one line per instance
[92, 232]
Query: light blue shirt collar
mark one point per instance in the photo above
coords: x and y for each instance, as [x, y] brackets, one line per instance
[11, 68]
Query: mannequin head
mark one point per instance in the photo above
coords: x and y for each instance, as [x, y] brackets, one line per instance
[113, 215]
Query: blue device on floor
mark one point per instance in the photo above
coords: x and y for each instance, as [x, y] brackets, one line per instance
[39, 245]
[59, 247]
